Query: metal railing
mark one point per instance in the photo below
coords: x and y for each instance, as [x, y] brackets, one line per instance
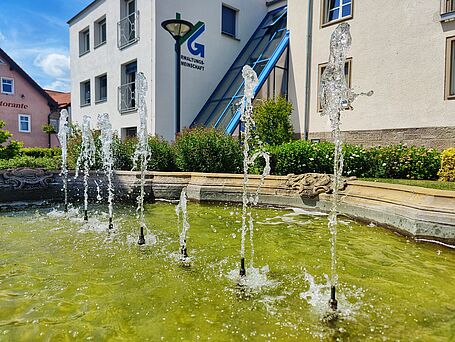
[128, 30]
[127, 97]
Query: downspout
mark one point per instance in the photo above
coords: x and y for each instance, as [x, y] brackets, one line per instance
[48, 134]
[308, 69]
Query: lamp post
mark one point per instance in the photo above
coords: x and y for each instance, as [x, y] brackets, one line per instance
[177, 28]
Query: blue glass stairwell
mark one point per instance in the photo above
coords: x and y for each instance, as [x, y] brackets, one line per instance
[262, 52]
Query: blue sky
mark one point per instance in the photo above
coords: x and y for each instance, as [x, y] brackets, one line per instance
[35, 34]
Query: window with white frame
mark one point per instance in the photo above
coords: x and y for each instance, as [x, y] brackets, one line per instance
[100, 32]
[84, 41]
[7, 85]
[336, 10]
[85, 93]
[24, 123]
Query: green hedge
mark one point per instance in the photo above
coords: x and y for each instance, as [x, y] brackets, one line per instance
[395, 161]
[48, 163]
[207, 150]
[39, 152]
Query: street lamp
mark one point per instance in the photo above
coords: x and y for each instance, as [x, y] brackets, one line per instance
[177, 28]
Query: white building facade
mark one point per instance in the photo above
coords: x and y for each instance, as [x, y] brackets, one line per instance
[402, 50]
[112, 39]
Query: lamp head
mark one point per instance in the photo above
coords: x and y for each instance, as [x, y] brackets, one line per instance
[177, 27]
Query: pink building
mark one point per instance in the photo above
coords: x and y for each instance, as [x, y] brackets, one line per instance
[24, 105]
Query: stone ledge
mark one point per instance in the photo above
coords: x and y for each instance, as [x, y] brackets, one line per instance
[415, 211]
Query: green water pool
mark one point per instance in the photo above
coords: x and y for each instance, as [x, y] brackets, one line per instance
[63, 280]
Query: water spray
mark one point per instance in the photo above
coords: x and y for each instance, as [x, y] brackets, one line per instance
[335, 97]
[142, 152]
[63, 132]
[86, 158]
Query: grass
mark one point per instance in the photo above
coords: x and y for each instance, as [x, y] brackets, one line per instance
[421, 183]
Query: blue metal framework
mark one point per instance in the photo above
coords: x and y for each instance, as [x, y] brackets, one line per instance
[262, 53]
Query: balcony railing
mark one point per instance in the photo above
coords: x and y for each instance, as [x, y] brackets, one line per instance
[127, 97]
[447, 10]
[128, 30]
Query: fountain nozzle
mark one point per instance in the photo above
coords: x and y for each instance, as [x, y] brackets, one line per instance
[85, 215]
[184, 251]
[333, 302]
[141, 240]
[242, 267]
[111, 225]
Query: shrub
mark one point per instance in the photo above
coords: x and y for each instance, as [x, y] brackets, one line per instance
[403, 162]
[396, 161]
[273, 124]
[122, 152]
[11, 149]
[447, 171]
[39, 152]
[207, 150]
[48, 163]
[302, 157]
[161, 155]
[358, 161]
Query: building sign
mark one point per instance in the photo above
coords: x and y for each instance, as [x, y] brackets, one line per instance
[197, 50]
[13, 105]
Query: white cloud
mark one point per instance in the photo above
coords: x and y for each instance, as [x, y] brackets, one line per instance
[2, 37]
[54, 64]
[59, 85]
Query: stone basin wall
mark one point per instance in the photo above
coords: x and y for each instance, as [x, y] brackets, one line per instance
[417, 212]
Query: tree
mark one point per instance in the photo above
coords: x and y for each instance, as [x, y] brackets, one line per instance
[273, 124]
[11, 149]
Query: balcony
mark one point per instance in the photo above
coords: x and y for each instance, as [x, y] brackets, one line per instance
[447, 10]
[127, 97]
[128, 30]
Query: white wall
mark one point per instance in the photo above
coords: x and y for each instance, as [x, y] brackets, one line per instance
[220, 53]
[398, 50]
[108, 58]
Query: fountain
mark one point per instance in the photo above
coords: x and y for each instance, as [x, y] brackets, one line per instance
[251, 81]
[185, 226]
[336, 96]
[142, 152]
[108, 162]
[63, 133]
[86, 158]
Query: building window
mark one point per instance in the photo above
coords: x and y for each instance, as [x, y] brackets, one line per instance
[228, 21]
[24, 123]
[347, 73]
[336, 10]
[85, 93]
[128, 26]
[100, 32]
[127, 91]
[129, 132]
[101, 88]
[448, 6]
[84, 41]
[450, 69]
[7, 86]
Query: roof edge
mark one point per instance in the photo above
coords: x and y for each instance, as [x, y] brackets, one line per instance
[84, 10]
[13, 65]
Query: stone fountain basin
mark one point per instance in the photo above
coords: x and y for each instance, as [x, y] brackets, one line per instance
[417, 212]
[64, 279]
